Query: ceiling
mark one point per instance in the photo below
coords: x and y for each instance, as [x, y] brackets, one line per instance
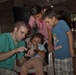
[53, 1]
[58, 4]
[3, 1]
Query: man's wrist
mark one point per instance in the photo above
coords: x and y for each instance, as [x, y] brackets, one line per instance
[15, 51]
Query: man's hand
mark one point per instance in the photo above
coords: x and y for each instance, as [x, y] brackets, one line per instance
[21, 49]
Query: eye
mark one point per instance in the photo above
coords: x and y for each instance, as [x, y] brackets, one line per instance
[22, 32]
[47, 21]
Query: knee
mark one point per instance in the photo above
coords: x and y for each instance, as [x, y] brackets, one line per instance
[24, 68]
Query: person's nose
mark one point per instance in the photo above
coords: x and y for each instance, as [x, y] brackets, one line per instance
[36, 43]
[23, 36]
[38, 18]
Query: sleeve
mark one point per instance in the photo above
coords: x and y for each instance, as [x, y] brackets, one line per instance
[2, 44]
[41, 47]
[64, 26]
[20, 55]
[31, 21]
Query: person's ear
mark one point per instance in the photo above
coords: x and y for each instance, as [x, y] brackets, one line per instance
[15, 29]
[42, 11]
[53, 18]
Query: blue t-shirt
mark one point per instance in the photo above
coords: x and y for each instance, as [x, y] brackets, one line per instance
[7, 44]
[61, 40]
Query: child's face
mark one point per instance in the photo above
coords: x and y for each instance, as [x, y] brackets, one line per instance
[36, 41]
[49, 22]
[38, 16]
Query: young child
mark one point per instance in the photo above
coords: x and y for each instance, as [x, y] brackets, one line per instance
[36, 17]
[63, 43]
[37, 60]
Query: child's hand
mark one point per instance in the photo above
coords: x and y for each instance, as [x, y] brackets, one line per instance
[29, 45]
[49, 27]
[30, 52]
[72, 53]
[50, 48]
[35, 46]
[27, 55]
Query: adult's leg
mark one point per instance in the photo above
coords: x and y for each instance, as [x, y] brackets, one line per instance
[38, 65]
[7, 72]
[26, 66]
[33, 62]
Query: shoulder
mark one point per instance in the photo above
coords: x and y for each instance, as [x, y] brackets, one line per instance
[62, 21]
[4, 38]
[41, 46]
[32, 18]
[4, 35]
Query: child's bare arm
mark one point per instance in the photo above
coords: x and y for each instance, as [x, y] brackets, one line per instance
[70, 39]
[50, 45]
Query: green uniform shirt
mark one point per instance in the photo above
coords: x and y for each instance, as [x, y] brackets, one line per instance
[7, 44]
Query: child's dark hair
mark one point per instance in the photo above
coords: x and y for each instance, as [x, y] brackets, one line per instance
[39, 35]
[36, 9]
[49, 13]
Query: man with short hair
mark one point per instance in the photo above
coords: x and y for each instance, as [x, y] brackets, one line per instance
[10, 45]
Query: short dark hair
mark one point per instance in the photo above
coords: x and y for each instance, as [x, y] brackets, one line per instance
[36, 9]
[49, 13]
[39, 35]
